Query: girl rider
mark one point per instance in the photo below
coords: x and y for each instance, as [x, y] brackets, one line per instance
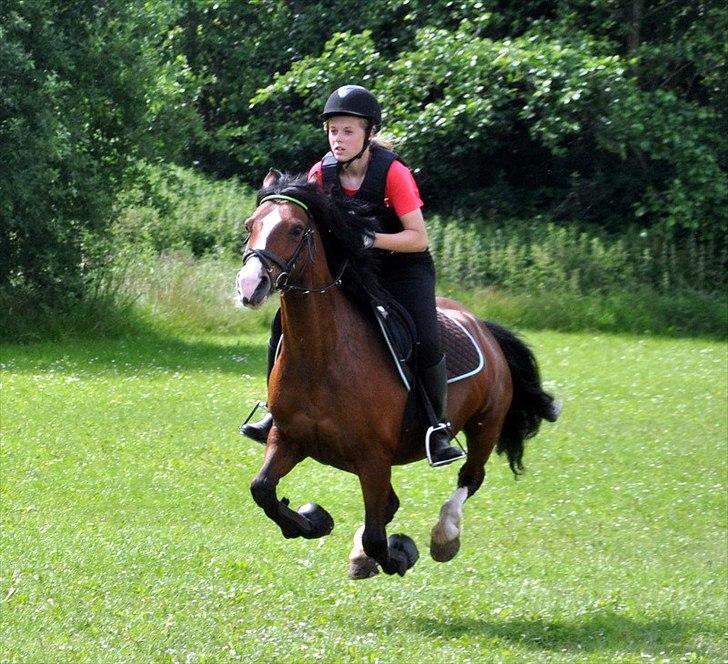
[359, 166]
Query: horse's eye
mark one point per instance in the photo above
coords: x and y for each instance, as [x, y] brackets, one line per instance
[297, 230]
[249, 225]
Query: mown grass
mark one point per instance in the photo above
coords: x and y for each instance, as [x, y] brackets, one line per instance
[129, 534]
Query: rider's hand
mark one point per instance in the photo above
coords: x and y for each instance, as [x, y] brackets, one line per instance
[367, 239]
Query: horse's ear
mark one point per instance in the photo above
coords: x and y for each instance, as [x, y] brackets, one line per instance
[272, 178]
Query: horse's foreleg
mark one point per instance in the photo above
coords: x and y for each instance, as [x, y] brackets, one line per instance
[311, 520]
[398, 553]
[361, 566]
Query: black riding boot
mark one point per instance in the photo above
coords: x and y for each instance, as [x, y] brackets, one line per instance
[259, 430]
[434, 380]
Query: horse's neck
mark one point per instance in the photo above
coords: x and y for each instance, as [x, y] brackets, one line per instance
[319, 327]
[312, 326]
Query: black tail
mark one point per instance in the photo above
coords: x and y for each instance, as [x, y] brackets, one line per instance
[530, 403]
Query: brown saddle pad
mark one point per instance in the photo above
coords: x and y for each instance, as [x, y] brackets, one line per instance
[463, 355]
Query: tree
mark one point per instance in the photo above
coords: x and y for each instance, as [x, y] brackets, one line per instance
[87, 89]
[595, 110]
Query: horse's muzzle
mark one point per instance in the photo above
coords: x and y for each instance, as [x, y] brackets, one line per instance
[253, 284]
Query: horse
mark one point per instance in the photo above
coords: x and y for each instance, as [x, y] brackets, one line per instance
[334, 394]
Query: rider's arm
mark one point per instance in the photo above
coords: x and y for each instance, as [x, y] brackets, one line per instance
[412, 238]
[403, 196]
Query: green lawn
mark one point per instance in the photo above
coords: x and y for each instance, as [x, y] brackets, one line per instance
[129, 534]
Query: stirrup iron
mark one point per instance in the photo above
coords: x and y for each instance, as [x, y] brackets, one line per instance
[442, 426]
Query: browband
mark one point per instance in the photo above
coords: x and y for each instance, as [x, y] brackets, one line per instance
[283, 197]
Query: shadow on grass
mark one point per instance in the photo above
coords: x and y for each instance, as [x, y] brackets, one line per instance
[151, 353]
[602, 632]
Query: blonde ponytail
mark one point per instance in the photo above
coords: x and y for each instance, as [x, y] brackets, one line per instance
[384, 141]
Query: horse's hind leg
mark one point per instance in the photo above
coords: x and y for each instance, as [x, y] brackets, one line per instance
[311, 520]
[361, 566]
[445, 536]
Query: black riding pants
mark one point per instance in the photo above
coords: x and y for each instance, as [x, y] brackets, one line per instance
[410, 279]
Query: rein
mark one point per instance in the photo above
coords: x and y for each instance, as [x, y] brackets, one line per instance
[287, 267]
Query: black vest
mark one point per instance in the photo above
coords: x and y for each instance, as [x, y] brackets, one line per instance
[372, 188]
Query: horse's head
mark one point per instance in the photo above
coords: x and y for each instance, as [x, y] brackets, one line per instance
[280, 240]
[305, 241]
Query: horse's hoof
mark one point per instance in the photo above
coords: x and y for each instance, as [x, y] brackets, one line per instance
[363, 568]
[405, 545]
[321, 522]
[442, 552]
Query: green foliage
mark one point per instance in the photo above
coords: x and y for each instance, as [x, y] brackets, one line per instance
[642, 311]
[172, 208]
[174, 292]
[107, 310]
[176, 235]
[590, 111]
[553, 114]
[87, 89]
[541, 256]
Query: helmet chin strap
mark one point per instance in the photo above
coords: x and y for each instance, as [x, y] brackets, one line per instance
[348, 162]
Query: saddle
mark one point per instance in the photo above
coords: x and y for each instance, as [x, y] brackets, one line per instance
[463, 356]
[400, 336]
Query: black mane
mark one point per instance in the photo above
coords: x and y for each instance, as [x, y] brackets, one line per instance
[341, 222]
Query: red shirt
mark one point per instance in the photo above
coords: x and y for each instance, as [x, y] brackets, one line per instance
[400, 190]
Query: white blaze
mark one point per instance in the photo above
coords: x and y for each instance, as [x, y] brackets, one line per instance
[253, 271]
[268, 224]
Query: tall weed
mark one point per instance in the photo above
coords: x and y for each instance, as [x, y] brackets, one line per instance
[179, 291]
[542, 256]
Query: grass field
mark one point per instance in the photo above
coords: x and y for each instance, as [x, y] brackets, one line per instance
[129, 534]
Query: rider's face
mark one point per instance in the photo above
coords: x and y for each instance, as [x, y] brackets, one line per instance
[346, 136]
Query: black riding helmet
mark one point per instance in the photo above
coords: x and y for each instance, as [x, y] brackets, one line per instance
[353, 100]
[357, 101]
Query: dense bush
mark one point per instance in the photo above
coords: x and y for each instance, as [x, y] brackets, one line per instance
[547, 122]
[171, 208]
[605, 112]
[87, 87]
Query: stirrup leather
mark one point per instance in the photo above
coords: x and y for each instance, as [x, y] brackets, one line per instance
[258, 404]
[442, 426]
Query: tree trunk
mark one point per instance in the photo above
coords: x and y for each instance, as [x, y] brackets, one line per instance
[636, 11]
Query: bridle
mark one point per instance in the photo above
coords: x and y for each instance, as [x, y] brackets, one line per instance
[268, 259]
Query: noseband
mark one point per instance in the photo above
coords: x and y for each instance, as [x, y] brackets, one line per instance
[268, 258]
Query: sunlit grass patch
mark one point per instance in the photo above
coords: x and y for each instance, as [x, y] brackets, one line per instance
[129, 533]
